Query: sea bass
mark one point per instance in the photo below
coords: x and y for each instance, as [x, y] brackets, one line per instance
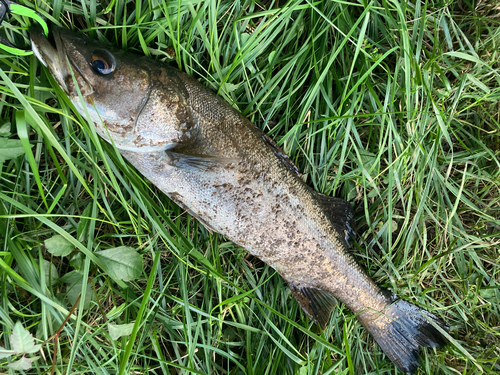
[213, 162]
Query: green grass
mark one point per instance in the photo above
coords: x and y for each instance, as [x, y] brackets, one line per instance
[392, 105]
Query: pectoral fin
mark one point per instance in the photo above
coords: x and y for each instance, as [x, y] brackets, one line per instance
[318, 304]
[199, 162]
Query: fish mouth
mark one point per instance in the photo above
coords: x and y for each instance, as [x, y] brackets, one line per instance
[53, 54]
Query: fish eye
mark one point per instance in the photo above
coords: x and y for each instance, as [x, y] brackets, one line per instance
[102, 62]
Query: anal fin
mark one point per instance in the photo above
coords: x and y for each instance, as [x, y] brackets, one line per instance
[318, 304]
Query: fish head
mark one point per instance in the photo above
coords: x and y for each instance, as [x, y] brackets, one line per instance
[114, 89]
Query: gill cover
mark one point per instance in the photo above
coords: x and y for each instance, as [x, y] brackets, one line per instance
[120, 92]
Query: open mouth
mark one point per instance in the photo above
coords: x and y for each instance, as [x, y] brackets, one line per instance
[43, 46]
[51, 53]
[37, 37]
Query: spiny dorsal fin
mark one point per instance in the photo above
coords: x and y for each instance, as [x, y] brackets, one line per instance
[318, 304]
[339, 211]
[281, 155]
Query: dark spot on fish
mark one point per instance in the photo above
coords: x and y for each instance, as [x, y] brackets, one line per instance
[119, 129]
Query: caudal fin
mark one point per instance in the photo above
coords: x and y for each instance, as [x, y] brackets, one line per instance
[401, 329]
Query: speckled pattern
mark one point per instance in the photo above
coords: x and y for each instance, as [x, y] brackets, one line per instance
[222, 169]
[259, 203]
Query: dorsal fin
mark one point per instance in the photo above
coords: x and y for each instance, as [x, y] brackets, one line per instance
[340, 213]
[318, 304]
[281, 155]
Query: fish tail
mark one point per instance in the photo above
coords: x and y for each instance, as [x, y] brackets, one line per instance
[401, 328]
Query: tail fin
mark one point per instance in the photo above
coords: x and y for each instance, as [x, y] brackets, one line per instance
[401, 329]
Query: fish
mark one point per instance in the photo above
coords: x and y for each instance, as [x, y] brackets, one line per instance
[214, 163]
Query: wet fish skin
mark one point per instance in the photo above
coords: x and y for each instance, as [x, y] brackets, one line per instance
[212, 161]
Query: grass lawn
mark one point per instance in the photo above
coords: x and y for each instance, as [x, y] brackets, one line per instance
[392, 105]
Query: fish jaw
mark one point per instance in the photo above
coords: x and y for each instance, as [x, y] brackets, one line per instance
[49, 56]
[126, 107]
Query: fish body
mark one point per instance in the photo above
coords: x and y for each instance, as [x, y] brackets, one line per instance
[215, 163]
